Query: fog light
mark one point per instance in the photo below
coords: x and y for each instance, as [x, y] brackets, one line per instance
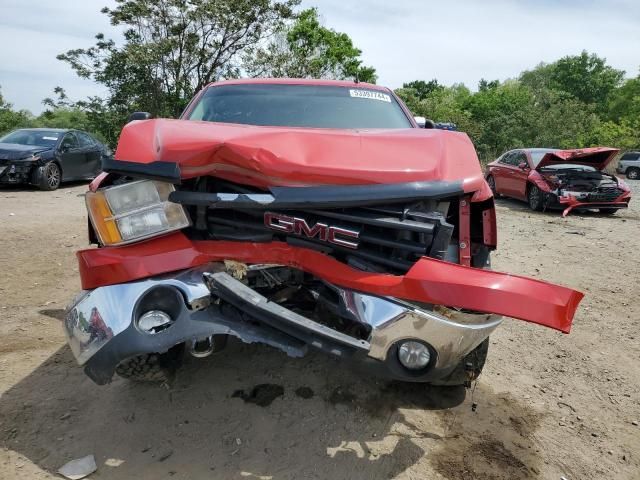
[154, 321]
[414, 355]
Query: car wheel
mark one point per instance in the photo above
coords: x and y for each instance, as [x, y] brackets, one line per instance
[633, 173]
[49, 176]
[492, 185]
[608, 211]
[534, 196]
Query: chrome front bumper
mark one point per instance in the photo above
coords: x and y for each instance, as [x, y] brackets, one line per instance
[101, 329]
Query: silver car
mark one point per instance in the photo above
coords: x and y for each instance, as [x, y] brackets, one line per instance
[629, 165]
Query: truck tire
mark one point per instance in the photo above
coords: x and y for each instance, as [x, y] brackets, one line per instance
[469, 369]
[152, 367]
[608, 211]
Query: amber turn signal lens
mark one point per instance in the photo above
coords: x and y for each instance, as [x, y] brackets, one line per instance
[134, 211]
[102, 218]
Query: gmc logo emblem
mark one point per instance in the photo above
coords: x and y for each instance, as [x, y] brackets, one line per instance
[342, 237]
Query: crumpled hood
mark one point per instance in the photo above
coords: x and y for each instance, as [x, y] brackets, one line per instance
[597, 157]
[15, 151]
[279, 156]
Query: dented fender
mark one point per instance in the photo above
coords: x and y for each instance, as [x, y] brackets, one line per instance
[428, 281]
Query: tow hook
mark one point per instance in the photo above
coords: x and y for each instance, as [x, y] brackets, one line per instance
[204, 347]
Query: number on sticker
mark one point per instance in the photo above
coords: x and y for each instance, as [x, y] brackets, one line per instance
[371, 95]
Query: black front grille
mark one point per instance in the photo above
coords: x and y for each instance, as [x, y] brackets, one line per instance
[604, 194]
[390, 238]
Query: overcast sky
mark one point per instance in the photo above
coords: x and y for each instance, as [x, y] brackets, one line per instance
[452, 41]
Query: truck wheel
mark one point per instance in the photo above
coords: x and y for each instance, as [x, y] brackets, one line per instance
[633, 173]
[49, 176]
[534, 195]
[152, 367]
[469, 368]
[608, 211]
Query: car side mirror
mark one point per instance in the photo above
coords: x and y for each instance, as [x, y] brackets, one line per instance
[523, 166]
[139, 116]
[64, 148]
[424, 122]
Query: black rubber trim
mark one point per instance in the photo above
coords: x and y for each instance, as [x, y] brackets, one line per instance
[165, 171]
[332, 196]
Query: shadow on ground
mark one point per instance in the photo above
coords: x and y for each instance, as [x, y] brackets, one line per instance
[324, 421]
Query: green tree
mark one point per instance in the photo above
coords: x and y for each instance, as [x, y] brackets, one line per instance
[624, 102]
[11, 119]
[561, 121]
[172, 49]
[484, 85]
[586, 77]
[624, 135]
[306, 49]
[61, 112]
[423, 89]
[500, 112]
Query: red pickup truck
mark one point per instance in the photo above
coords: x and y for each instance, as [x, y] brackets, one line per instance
[301, 214]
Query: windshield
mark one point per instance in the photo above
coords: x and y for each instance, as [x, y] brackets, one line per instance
[37, 138]
[300, 106]
[536, 155]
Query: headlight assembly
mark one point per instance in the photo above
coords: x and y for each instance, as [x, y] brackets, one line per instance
[134, 211]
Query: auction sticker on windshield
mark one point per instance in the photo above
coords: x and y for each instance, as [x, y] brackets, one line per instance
[371, 95]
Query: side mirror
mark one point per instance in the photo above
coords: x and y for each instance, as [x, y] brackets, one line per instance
[64, 148]
[424, 122]
[523, 166]
[139, 116]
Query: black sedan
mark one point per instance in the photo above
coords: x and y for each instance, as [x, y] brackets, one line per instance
[46, 157]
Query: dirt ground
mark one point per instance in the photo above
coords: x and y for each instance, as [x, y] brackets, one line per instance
[549, 406]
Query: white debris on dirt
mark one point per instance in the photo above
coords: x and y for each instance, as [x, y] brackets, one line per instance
[79, 468]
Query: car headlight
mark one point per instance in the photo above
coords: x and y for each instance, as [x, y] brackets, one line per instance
[134, 211]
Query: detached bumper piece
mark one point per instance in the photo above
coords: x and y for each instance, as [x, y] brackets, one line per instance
[607, 197]
[104, 326]
[427, 281]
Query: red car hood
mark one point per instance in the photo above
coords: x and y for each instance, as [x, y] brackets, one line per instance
[597, 157]
[278, 156]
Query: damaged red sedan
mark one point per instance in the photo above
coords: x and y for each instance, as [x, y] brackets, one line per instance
[302, 215]
[564, 179]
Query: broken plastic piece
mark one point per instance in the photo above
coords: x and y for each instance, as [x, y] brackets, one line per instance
[79, 468]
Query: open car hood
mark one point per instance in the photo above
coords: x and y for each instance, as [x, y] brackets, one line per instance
[596, 157]
[284, 156]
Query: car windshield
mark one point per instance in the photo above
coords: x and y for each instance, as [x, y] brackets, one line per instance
[37, 138]
[313, 106]
[536, 155]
